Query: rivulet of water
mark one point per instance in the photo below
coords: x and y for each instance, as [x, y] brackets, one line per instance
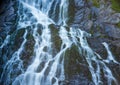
[47, 68]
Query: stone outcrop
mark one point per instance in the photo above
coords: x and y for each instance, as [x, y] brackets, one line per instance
[102, 22]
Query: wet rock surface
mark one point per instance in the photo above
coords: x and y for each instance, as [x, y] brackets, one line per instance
[7, 26]
[100, 22]
[55, 37]
[76, 70]
[7, 17]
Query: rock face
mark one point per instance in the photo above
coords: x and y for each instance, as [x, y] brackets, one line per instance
[77, 72]
[7, 26]
[101, 22]
[7, 18]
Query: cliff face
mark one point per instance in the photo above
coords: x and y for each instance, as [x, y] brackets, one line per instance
[8, 22]
[8, 18]
[100, 18]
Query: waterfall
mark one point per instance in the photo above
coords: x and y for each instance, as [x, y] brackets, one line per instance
[46, 66]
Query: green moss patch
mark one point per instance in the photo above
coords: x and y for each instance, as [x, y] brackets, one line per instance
[118, 25]
[55, 37]
[96, 3]
[115, 5]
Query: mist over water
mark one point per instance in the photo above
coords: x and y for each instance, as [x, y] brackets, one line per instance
[46, 66]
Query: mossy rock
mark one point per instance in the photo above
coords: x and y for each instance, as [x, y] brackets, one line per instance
[75, 64]
[71, 11]
[20, 33]
[90, 16]
[115, 47]
[39, 30]
[96, 3]
[71, 56]
[55, 37]
[118, 25]
[28, 50]
[30, 44]
[115, 5]
[16, 38]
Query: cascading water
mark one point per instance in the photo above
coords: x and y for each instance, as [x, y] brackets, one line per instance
[47, 66]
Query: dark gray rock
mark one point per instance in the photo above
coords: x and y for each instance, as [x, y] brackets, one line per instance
[79, 80]
[7, 18]
[78, 16]
[101, 23]
[55, 37]
[96, 45]
[115, 47]
[10, 18]
[2, 19]
[7, 26]
[79, 3]
[76, 69]
[112, 32]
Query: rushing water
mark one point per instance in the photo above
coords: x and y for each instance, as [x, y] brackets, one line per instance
[47, 67]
